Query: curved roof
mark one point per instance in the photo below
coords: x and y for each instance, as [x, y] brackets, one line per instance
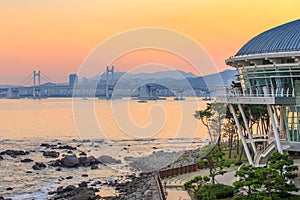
[282, 38]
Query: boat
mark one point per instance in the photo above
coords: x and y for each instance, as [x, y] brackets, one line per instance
[142, 101]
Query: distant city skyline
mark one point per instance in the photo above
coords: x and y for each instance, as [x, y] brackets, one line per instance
[56, 36]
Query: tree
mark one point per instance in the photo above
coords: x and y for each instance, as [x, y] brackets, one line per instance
[205, 117]
[285, 166]
[247, 180]
[195, 183]
[219, 113]
[271, 182]
[215, 162]
[212, 117]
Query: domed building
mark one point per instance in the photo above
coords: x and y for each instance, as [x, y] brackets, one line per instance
[269, 71]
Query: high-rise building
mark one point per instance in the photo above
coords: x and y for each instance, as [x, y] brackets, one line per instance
[73, 79]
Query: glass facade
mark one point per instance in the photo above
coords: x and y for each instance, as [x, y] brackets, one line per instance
[269, 72]
[292, 122]
[271, 80]
[282, 81]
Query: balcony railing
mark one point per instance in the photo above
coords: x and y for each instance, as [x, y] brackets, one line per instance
[256, 92]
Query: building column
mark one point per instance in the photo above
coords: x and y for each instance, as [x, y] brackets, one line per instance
[281, 122]
[241, 134]
[247, 128]
[275, 130]
[276, 117]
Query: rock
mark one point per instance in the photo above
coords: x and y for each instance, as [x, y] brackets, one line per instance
[39, 166]
[148, 194]
[27, 160]
[69, 177]
[93, 184]
[14, 153]
[91, 160]
[76, 193]
[45, 145]
[52, 154]
[67, 147]
[70, 188]
[29, 172]
[85, 175]
[83, 160]
[82, 153]
[1, 158]
[83, 184]
[60, 189]
[55, 163]
[94, 167]
[58, 169]
[108, 160]
[70, 161]
[9, 188]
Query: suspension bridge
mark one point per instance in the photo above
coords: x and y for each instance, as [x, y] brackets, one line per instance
[38, 85]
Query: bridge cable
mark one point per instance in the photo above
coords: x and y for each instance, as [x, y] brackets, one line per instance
[47, 78]
[25, 80]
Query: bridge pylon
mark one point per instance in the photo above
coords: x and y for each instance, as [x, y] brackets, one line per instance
[36, 84]
[109, 82]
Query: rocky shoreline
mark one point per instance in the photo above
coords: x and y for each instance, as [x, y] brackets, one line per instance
[140, 184]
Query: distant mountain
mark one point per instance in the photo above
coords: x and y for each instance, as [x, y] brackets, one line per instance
[170, 74]
[171, 77]
[214, 80]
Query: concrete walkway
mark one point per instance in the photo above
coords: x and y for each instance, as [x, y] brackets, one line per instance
[227, 179]
[175, 184]
[177, 195]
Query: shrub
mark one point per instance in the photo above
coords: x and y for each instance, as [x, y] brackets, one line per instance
[214, 191]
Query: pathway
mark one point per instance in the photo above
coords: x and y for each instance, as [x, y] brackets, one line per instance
[175, 184]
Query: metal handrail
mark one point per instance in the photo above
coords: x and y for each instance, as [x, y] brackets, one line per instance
[256, 92]
[161, 191]
[261, 153]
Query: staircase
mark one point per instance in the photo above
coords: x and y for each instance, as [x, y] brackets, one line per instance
[261, 157]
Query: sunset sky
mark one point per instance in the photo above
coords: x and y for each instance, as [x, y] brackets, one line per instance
[55, 36]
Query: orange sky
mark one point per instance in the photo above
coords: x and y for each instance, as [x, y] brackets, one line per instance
[55, 36]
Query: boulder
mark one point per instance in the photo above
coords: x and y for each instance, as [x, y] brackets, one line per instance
[67, 147]
[70, 188]
[26, 160]
[55, 163]
[70, 161]
[39, 166]
[72, 192]
[14, 153]
[94, 167]
[60, 189]
[52, 154]
[108, 160]
[45, 145]
[83, 184]
[88, 161]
